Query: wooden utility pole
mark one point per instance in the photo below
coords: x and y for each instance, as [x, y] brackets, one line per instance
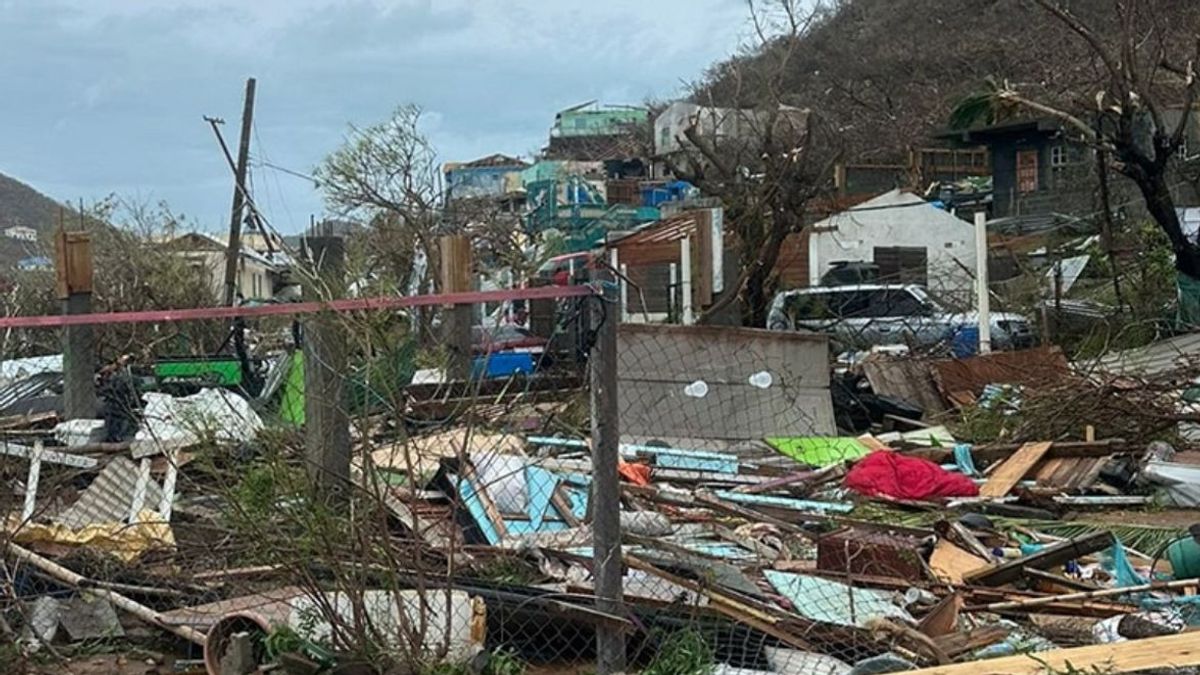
[73, 263]
[326, 420]
[605, 503]
[233, 254]
[456, 278]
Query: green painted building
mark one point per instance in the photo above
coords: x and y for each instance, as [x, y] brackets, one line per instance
[591, 119]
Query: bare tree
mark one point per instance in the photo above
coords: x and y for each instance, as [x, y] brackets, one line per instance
[387, 174]
[764, 163]
[1148, 76]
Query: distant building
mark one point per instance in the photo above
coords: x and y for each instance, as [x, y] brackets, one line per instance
[728, 129]
[906, 238]
[330, 227]
[493, 176]
[257, 274]
[1041, 178]
[593, 132]
[21, 233]
[33, 263]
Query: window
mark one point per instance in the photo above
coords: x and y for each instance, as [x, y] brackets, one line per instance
[1027, 171]
[902, 264]
[808, 307]
[1058, 156]
[893, 302]
[849, 304]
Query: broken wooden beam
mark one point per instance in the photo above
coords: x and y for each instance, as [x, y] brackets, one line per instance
[1055, 554]
[1012, 470]
[1033, 603]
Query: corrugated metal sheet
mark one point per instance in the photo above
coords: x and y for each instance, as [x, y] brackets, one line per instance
[108, 498]
[909, 380]
[1153, 360]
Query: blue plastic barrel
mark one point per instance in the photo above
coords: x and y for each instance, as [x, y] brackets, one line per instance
[965, 341]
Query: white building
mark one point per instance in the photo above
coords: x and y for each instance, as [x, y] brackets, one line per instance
[720, 126]
[21, 233]
[256, 274]
[910, 241]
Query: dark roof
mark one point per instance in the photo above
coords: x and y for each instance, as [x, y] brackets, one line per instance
[976, 135]
[491, 160]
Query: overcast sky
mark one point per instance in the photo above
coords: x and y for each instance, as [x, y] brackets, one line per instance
[107, 96]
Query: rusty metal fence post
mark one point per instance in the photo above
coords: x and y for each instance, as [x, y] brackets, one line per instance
[606, 488]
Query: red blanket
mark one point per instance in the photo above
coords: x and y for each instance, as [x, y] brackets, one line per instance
[892, 474]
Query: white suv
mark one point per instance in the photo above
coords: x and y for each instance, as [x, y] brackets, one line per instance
[866, 315]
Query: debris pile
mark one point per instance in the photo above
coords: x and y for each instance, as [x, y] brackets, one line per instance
[925, 540]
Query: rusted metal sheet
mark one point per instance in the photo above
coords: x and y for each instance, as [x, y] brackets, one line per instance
[864, 552]
[962, 380]
[909, 380]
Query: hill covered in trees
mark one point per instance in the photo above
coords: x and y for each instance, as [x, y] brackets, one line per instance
[22, 205]
[887, 73]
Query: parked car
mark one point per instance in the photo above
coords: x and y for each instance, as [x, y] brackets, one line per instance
[866, 315]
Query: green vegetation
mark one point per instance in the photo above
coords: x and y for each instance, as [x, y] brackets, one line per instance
[683, 652]
[500, 662]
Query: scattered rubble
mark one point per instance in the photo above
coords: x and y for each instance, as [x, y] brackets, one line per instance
[913, 544]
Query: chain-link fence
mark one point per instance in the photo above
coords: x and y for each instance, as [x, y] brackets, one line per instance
[492, 483]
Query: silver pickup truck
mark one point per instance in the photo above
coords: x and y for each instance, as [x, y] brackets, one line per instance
[862, 316]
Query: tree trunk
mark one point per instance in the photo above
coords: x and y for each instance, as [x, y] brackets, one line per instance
[757, 295]
[1161, 205]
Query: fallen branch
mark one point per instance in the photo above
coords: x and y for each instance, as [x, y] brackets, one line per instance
[72, 579]
[1086, 595]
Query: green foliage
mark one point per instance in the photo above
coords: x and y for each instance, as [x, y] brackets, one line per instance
[500, 662]
[509, 570]
[282, 640]
[980, 424]
[683, 652]
[504, 663]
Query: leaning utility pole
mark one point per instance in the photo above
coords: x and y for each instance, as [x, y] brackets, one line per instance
[239, 189]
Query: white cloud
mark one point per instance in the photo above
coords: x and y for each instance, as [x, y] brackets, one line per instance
[112, 91]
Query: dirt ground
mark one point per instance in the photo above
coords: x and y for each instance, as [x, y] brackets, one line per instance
[1175, 518]
[108, 664]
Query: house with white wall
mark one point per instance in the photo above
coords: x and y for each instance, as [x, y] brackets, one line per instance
[907, 238]
[21, 233]
[256, 275]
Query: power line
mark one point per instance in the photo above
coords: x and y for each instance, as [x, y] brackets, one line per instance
[262, 161]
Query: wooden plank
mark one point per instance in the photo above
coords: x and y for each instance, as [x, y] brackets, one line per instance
[73, 263]
[943, 618]
[481, 493]
[51, 456]
[951, 564]
[1013, 469]
[804, 505]
[957, 644]
[1172, 651]
[1050, 556]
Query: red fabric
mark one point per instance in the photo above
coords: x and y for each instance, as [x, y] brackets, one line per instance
[638, 474]
[891, 474]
